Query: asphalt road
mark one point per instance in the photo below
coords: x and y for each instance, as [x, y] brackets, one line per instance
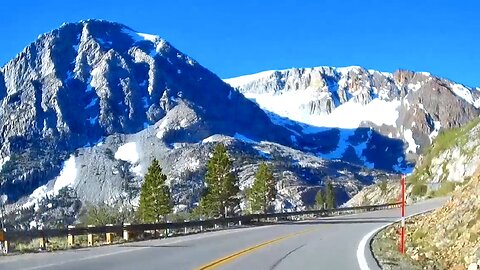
[327, 243]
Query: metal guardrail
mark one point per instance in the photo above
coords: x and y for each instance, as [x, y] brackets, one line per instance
[128, 229]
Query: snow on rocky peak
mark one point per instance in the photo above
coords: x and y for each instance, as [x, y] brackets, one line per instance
[401, 105]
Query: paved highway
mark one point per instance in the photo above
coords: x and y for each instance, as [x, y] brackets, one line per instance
[326, 243]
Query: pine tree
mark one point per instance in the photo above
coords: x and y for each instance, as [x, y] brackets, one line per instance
[330, 196]
[383, 187]
[263, 190]
[222, 184]
[155, 200]
[319, 199]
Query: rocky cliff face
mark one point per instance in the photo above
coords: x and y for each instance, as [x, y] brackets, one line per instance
[405, 109]
[454, 156]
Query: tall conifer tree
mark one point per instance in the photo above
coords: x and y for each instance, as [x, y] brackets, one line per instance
[263, 190]
[155, 200]
[222, 185]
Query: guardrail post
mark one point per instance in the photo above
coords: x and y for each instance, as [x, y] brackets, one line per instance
[126, 233]
[167, 230]
[4, 241]
[43, 241]
[109, 235]
[71, 237]
[90, 238]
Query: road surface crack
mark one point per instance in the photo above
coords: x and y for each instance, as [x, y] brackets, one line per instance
[285, 256]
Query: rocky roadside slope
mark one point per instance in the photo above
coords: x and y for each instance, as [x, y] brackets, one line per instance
[448, 238]
[449, 162]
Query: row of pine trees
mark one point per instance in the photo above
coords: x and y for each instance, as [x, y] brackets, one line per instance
[221, 194]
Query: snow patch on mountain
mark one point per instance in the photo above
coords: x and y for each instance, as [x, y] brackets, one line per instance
[3, 161]
[412, 146]
[128, 152]
[437, 125]
[66, 178]
[464, 93]
[294, 105]
[67, 175]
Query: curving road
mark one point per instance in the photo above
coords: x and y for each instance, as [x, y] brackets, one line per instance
[326, 243]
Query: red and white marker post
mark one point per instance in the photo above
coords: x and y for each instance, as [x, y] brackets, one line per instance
[402, 232]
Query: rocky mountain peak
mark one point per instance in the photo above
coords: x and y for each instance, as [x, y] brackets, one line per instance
[84, 81]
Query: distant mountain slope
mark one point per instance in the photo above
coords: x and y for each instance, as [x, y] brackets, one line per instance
[406, 106]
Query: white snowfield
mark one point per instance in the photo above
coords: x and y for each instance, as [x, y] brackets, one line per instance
[128, 152]
[67, 175]
[294, 105]
[66, 178]
[284, 105]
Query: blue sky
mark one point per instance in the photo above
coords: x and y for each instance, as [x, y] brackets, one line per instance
[234, 38]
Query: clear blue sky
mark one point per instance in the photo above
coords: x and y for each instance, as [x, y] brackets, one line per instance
[234, 38]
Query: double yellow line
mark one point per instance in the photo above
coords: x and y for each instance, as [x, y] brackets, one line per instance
[238, 254]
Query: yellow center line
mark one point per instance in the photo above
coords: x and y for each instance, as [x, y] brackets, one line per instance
[238, 254]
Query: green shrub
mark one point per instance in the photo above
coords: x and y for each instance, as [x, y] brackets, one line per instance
[445, 189]
[419, 189]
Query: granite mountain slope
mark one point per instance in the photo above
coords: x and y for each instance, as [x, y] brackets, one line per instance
[84, 81]
[404, 106]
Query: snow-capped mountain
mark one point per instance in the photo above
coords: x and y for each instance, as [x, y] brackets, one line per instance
[89, 105]
[406, 109]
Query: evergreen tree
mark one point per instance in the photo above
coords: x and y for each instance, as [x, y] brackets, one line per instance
[383, 187]
[320, 199]
[155, 200]
[222, 184]
[330, 196]
[263, 190]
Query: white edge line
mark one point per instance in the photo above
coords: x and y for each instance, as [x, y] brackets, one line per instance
[362, 260]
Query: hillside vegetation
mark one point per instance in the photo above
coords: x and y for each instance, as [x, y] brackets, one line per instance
[446, 165]
[450, 160]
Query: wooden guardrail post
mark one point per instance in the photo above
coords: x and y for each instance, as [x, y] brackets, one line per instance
[71, 237]
[126, 233]
[43, 241]
[109, 235]
[90, 237]
[4, 241]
